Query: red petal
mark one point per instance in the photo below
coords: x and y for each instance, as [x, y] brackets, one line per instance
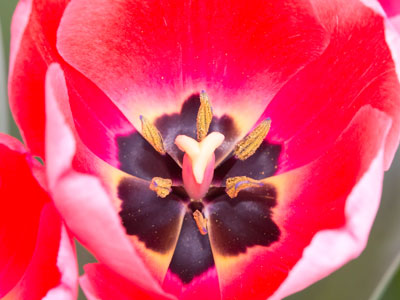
[155, 56]
[99, 282]
[34, 27]
[43, 278]
[22, 202]
[35, 258]
[356, 69]
[310, 199]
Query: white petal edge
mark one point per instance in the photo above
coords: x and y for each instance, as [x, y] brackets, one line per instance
[68, 267]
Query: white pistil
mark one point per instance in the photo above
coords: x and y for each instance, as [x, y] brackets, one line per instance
[200, 153]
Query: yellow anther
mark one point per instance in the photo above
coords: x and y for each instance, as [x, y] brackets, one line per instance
[249, 145]
[235, 184]
[201, 222]
[152, 135]
[204, 116]
[161, 186]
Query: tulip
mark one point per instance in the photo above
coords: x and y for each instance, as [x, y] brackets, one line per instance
[228, 150]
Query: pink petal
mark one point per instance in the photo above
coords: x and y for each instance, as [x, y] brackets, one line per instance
[67, 264]
[82, 200]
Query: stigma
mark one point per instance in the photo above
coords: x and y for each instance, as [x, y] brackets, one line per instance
[198, 162]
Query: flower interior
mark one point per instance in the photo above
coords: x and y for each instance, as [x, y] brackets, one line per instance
[203, 197]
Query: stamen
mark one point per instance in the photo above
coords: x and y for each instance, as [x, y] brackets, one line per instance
[249, 145]
[152, 135]
[201, 222]
[204, 116]
[162, 186]
[235, 184]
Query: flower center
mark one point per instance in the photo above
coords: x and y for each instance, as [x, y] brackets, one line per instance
[199, 159]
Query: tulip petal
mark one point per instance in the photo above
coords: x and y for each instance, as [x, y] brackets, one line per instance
[19, 213]
[153, 223]
[83, 202]
[204, 286]
[103, 130]
[192, 255]
[157, 55]
[192, 273]
[98, 122]
[33, 36]
[328, 249]
[309, 199]
[99, 282]
[68, 266]
[43, 278]
[318, 103]
[238, 224]
[37, 256]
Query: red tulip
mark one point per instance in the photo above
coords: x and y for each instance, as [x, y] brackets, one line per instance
[254, 188]
[37, 256]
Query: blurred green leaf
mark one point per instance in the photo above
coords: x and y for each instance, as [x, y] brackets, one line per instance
[7, 8]
[384, 286]
[3, 89]
[392, 292]
[84, 257]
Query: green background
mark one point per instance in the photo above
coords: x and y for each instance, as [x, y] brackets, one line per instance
[374, 275]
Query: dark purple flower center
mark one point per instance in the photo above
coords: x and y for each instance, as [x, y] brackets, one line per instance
[236, 223]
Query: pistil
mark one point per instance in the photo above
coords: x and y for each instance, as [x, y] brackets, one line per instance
[198, 162]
